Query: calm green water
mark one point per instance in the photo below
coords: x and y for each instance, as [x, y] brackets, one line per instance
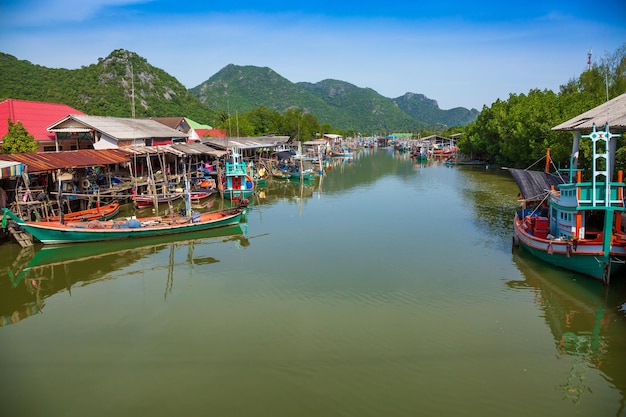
[388, 289]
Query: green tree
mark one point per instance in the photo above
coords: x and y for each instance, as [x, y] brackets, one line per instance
[299, 125]
[264, 120]
[17, 140]
[516, 132]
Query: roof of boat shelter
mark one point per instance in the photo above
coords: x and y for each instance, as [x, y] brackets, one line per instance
[48, 161]
[612, 112]
[246, 142]
[178, 149]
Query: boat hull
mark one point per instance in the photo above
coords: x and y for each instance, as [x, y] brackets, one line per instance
[237, 194]
[199, 195]
[306, 177]
[237, 187]
[586, 257]
[74, 232]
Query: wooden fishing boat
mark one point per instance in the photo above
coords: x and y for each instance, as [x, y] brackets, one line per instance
[573, 224]
[72, 232]
[196, 196]
[293, 172]
[304, 175]
[261, 178]
[343, 153]
[236, 184]
[145, 200]
[105, 212]
[280, 174]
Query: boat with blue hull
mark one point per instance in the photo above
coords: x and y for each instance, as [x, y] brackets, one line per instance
[575, 224]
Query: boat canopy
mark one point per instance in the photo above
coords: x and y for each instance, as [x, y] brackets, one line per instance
[284, 155]
[534, 184]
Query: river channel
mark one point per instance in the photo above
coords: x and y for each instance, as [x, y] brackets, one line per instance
[387, 288]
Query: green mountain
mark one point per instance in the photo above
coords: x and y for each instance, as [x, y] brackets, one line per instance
[421, 108]
[362, 109]
[106, 88]
[338, 103]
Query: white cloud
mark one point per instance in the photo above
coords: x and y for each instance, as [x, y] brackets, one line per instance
[55, 12]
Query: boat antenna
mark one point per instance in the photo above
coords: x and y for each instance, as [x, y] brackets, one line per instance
[132, 90]
[230, 130]
[606, 85]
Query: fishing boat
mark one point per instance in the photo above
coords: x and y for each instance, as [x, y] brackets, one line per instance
[105, 212]
[261, 177]
[236, 184]
[419, 154]
[196, 196]
[342, 153]
[296, 174]
[280, 173]
[145, 200]
[575, 224]
[96, 230]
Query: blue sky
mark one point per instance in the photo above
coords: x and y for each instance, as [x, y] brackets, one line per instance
[461, 54]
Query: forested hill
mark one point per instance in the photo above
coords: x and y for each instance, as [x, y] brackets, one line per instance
[339, 103]
[105, 88]
[420, 107]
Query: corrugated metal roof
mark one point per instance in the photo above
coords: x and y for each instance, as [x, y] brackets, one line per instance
[119, 128]
[178, 149]
[195, 125]
[246, 142]
[34, 115]
[172, 122]
[613, 112]
[197, 149]
[47, 161]
[73, 130]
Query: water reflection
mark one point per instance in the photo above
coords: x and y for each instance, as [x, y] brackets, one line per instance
[587, 321]
[492, 196]
[37, 273]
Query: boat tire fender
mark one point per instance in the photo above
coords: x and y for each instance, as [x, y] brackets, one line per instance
[515, 243]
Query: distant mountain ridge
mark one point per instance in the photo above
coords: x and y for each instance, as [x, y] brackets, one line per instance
[106, 88]
[339, 103]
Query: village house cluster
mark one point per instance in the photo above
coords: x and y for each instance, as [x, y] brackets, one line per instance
[104, 158]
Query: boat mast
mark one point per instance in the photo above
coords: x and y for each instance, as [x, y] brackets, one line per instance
[132, 91]
[601, 189]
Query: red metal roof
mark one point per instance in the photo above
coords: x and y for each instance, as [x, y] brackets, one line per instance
[215, 133]
[47, 161]
[35, 116]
